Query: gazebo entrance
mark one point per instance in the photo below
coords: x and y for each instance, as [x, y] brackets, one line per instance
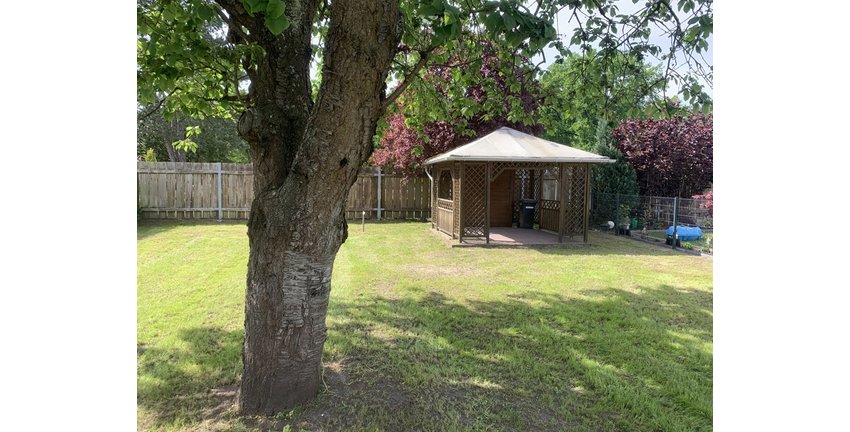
[478, 189]
[490, 197]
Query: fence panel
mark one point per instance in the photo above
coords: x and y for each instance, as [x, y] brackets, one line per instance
[174, 190]
[648, 217]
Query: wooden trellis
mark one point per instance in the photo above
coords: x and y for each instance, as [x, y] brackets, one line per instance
[467, 214]
[474, 190]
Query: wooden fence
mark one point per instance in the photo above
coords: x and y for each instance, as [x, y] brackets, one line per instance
[175, 190]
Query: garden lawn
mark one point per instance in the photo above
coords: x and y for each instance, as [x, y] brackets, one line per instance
[616, 336]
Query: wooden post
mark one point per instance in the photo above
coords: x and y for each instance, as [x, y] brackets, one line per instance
[487, 202]
[675, 220]
[218, 174]
[379, 193]
[460, 202]
[586, 201]
[538, 198]
[513, 198]
[562, 195]
[617, 215]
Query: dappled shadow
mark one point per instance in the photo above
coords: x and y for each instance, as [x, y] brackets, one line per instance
[615, 360]
[611, 359]
[176, 384]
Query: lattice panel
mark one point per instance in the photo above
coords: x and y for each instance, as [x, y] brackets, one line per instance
[473, 205]
[537, 191]
[498, 167]
[434, 192]
[551, 178]
[521, 186]
[550, 213]
[456, 198]
[575, 202]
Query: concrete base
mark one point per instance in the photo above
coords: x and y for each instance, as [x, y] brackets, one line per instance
[516, 237]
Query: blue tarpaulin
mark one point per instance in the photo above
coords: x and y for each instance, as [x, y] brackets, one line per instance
[685, 233]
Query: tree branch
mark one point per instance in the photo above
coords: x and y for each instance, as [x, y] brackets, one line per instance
[408, 78]
[230, 24]
[152, 110]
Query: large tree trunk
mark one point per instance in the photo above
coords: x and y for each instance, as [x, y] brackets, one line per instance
[176, 131]
[306, 157]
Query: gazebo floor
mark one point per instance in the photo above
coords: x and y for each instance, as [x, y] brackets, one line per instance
[504, 236]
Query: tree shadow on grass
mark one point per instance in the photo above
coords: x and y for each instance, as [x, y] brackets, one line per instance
[616, 360]
[175, 384]
[609, 360]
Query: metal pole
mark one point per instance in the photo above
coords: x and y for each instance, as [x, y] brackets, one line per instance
[363, 222]
[586, 202]
[218, 174]
[379, 193]
[617, 215]
[675, 220]
[487, 201]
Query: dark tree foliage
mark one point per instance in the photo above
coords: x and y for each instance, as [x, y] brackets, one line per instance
[672, 157]
[218, 140]
[612, 178]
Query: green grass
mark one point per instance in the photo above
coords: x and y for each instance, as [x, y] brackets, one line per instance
[617, 336]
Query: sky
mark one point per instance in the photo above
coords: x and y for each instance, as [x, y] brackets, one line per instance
[565, 27]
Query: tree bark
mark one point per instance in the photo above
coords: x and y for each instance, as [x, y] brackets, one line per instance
[175, 131]
[306, 156]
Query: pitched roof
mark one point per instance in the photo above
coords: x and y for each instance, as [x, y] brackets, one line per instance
[506, 144]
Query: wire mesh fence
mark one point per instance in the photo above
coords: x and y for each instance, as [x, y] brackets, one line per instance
[678, 222]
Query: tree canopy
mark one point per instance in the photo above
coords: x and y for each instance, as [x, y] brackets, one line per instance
[586, 87]
[474, 97]
[193, 57]
[618, 177]
[672, 157]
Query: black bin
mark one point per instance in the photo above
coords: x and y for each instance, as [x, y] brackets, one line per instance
[526, 213]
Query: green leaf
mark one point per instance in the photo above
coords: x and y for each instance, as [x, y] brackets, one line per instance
[549, 33]
[254, 6]
[275, 9]
[277, 25]
[493, 22]
[205, 12]
[514, 38]
[436, 8]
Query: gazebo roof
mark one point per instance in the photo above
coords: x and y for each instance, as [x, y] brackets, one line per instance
[510, 145]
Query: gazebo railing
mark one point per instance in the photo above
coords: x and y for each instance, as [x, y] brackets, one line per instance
[550, 213]
[445, 216]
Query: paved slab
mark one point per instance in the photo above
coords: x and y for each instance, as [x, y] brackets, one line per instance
[502, 236]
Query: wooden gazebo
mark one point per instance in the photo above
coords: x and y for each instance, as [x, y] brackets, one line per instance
[481, 185]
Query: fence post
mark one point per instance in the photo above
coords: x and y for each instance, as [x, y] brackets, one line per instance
[379, 193]
[617, 215]
[218, 174]
[675, 220]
